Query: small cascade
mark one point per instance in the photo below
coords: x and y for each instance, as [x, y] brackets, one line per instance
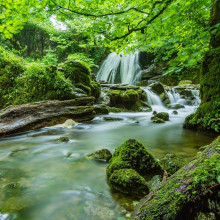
[119, 68]
[154, 100]
[175, 97]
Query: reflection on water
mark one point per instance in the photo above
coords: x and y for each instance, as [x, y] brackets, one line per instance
[42, 178]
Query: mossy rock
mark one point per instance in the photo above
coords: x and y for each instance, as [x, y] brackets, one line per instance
[103, 155]
[128, 181]
[134, 155]
[157, 120]
[157, 88]
[172, 163]
[162, 115]
[175, 112]
[63, 139]
[112, 119]
[184, 82]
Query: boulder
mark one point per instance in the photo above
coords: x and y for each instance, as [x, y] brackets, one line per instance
[101, 109]
[134, 155]
[112, 119]
[157, 88]
[185, 82]
[157, 120]
[162, 115]
[128, 181]
[175, 112]
[103, 155]
[177, 106]
[20, 118]
[172, 163]
[63, 139]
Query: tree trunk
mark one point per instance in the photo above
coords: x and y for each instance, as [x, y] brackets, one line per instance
[190, 193]
[207, 116]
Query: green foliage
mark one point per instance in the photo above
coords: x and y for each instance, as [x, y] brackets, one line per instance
[82, 58]
[50, 58]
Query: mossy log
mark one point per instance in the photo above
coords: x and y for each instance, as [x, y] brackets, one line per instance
[193, 190]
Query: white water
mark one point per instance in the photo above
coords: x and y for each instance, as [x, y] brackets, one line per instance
[126, 65]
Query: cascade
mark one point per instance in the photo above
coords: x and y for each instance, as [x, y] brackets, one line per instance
[120, 68]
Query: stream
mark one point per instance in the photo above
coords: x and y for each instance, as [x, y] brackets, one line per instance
[42, 178]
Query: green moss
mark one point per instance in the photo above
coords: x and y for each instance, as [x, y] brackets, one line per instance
[134, 155]
[207, 116]
[128, 181]
[171, 163]
[157, 120]
[103, 155]
[162, 115]
[192, 181]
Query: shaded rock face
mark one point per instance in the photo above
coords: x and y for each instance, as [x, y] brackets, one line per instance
[103, 155]
[172, 163]
[146, 59]
[20, 118]
[133, 159]
[124, 97]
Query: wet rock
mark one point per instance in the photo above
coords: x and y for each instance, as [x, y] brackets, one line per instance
[177, 106]
[112, 119]
[134, 155]
[66, 124]
[157, 120]
[103, 155]
[157, 88]
[114, 109]
[175, 112]
[172, 163]
[154, 112]
[63, 139]
[20, 118]
[162, 115]
[101, 109]
[128, 181]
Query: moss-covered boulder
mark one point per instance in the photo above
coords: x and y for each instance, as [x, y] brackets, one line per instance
[130, 99]
[128, 181]
[81, 77]
[162, 115]
[171, 163]
[103, 155]
[134, 155]
[157, 120]
[157, 88]
[185, 82]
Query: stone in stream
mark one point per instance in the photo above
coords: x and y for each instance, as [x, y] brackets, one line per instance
[103, 155]
[112, 119]
[162, 115]
[157, 120]
[132, 162]
[63, 139]
[101, 109]
[66, 124]
[20, 118]
[176, 106]
[175, 112]
[128, 181]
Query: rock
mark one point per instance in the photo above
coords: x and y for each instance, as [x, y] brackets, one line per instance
[185, 82]
[114, 109]
[172, 163]
[112, 119]
[157, 88]
[154, 112]
[63, 139]
[134, 155]
[20, 118]
[66, 124]
[128, 181]
[177, 106]
[101, 109]
[152, 71]
[175, 112]
[146, 59]
[162, 115]
[103, 155]
[157, 120]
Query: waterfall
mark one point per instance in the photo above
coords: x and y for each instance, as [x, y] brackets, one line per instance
[195, 94]
[122, 68]
[175, 97]
[154, 100]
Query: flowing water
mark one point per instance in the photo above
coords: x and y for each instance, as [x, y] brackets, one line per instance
[42, 178]
[119, 68]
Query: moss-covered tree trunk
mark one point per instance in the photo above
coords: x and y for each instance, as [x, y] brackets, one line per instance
[191, 193]
[207, 116]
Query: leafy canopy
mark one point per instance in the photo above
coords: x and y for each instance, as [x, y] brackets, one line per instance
[172, 28]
